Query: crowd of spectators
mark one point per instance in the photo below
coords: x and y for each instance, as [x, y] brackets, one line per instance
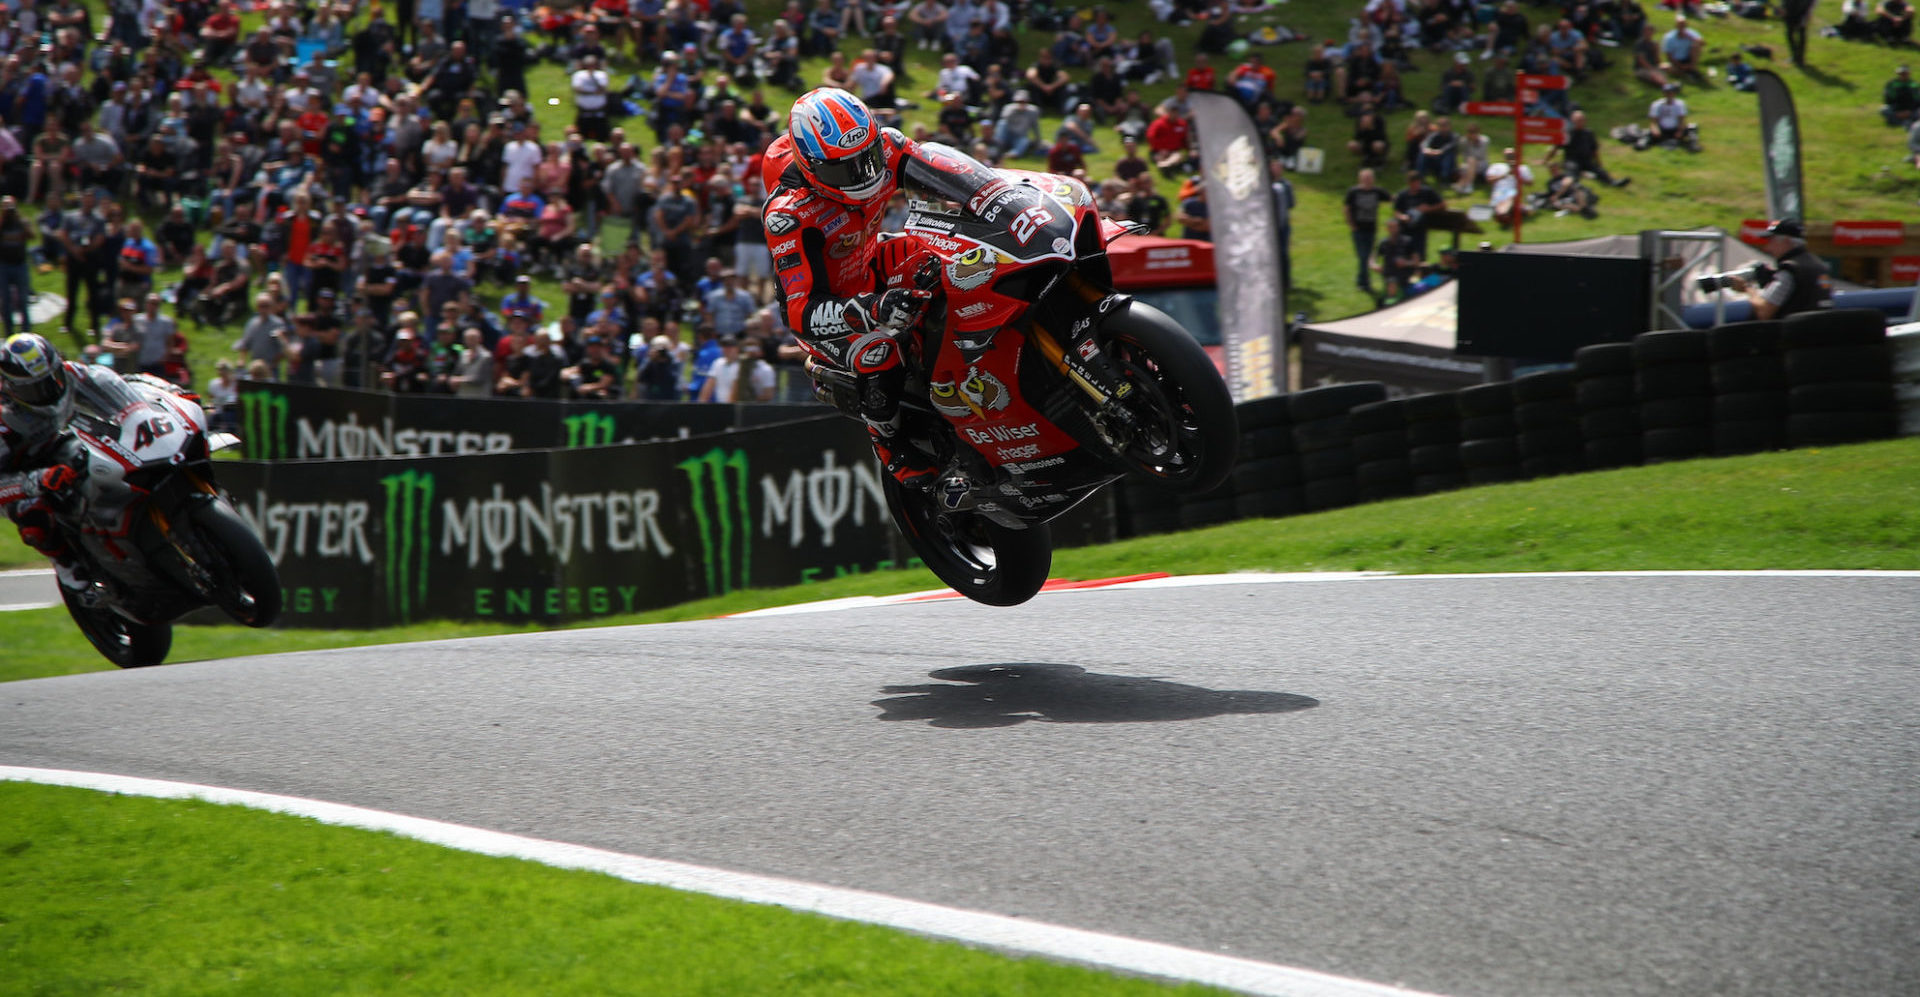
[361, 194]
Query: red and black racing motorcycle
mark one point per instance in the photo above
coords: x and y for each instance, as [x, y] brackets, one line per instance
[1033, 383]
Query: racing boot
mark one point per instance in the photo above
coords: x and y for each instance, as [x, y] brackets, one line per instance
[882, 378]
[67, 569]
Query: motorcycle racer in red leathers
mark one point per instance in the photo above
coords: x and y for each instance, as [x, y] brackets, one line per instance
[829, 179]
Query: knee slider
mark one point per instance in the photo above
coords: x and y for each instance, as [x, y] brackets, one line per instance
[874, 352]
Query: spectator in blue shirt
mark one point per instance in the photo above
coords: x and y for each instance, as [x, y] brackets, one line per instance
[1681, 47]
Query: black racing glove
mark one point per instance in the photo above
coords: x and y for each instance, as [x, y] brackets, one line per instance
[895, 309]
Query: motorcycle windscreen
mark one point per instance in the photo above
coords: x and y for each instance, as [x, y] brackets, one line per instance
[1027, 224]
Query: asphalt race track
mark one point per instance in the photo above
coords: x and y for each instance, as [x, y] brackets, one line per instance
[1495, 785]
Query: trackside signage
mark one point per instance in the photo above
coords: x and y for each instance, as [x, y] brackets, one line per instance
[572, 534]
[298, 422]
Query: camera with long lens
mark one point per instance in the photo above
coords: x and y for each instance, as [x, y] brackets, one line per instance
[1756, 275]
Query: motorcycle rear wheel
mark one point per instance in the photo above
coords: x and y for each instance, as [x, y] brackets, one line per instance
[118, 639]
[979, 558]
[1189, 435]
[246, 586]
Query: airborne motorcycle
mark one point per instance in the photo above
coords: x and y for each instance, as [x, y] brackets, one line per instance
[1033, 382]
[148, 523]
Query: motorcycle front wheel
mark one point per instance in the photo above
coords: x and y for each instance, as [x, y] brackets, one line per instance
[249, 588]
[118, 639]
[979, 558]
[1185, 432]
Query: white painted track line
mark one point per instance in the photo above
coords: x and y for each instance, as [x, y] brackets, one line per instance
[994, 931]
[1287, 578]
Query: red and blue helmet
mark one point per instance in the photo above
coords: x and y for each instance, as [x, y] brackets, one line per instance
[837, 144]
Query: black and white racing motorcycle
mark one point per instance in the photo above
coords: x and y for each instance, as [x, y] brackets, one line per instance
[153, 535]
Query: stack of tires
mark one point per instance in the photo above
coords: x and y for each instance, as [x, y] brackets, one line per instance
[1749, 387]
[1603, 389]
[1323, 434]
[1489, 450]
[1548, 420]
[1839, 377]
[1433, 442]
[1673, 376]
[1266, 482]
[1147, 507]
[1381, 469]
[1906, 380]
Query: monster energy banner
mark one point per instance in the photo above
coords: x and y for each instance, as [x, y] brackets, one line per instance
[1246, 246]
[1780, 147]
[556, 535]
[291, 422]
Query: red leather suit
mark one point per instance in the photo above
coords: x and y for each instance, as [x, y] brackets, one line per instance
[825, 252]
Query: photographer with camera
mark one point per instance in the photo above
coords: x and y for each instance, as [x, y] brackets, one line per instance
[1800, 283]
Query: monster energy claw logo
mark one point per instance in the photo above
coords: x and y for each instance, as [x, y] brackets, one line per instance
[719, 483]
[590, 429]
[409, 526]
[263, 421]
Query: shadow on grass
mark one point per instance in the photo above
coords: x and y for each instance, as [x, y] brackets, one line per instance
[1827, 79]
[1003, 695]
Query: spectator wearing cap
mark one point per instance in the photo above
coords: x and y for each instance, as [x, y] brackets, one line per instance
[1668, 114]
[1899, 99]
[1801, 282]
[597, 376]
[521, 302]
[658, 378]
[1456, 85]
[1017, 134]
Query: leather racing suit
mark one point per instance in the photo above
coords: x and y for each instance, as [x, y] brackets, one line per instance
[845, 287]
[30, 472]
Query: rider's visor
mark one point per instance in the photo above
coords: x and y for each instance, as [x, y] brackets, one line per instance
[39, 391]
[854, 173]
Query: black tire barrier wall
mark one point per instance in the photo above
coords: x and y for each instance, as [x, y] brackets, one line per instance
[1819, 378]
[1906, 380]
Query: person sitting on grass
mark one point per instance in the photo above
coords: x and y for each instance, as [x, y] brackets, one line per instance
[1739, 74]
[1508, 176]
[1566, 195]
[1681, 48]
[1900, 99]
[1893, 21]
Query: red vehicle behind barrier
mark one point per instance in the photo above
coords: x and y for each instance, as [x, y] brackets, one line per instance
[1177, 277]
[1033, 382]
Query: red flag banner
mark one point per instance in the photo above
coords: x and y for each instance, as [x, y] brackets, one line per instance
[1490, 108]
[1869, 233]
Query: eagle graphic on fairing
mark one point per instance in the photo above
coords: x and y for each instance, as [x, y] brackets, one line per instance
[977, 395]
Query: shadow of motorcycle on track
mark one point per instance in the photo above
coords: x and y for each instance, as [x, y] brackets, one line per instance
[1003, 695]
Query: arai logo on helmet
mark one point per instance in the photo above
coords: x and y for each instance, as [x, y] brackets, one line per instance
[853, 138]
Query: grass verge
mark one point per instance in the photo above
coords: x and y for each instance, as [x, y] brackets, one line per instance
[1842, 507]
[110, 893]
